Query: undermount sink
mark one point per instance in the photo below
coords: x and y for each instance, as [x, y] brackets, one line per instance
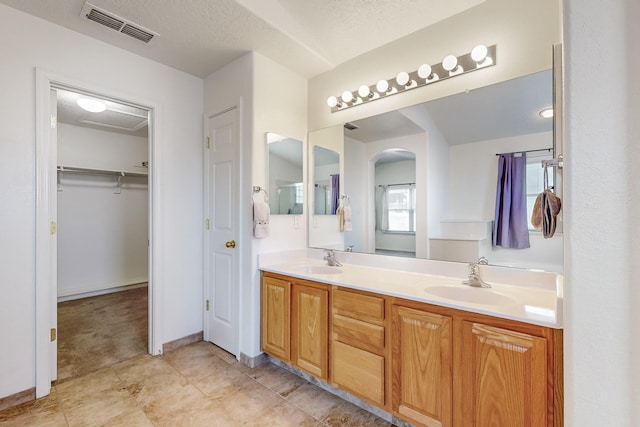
[320, 269]
[470, 294]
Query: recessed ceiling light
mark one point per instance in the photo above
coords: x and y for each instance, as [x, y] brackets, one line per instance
[546, 113]
[92, 105]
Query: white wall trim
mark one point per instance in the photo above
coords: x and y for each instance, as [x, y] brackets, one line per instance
[45, 298]
[43, 294]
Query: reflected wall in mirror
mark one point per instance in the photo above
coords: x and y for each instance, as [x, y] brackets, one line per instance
[326, 180]
[286, 183]
[455, 141]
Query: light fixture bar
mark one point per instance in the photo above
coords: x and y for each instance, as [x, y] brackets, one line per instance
[451, 66]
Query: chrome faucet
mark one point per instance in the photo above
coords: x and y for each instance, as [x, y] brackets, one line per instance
[474, 274]
[330, 257]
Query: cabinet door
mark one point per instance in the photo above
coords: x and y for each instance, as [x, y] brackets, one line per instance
[276, 312]
[311, 329]
[421, 361]
[504, 377]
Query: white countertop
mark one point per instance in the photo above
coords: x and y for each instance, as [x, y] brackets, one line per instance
[524, 295]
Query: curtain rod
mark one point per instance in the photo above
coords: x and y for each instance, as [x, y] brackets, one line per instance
[527, 151]
[393, 185]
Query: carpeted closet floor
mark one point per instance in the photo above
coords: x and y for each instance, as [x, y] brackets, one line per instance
[98, 332]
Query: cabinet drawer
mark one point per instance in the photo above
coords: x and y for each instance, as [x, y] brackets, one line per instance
[358, 333]
[359, 372]
[358, 306]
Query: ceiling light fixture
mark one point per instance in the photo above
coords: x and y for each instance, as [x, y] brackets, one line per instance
[92, 105]
[546, 113]
[480, 57]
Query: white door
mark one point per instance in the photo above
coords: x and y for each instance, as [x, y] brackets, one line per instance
[222, 189]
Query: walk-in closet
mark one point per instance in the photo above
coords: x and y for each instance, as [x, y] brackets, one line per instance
[102, 232]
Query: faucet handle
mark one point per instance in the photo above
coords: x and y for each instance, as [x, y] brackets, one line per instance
[483, 261]
[473, 268]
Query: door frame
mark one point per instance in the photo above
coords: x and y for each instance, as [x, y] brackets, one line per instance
[45, 197]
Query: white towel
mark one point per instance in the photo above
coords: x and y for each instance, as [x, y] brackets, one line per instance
[260, 220]
[344, 217]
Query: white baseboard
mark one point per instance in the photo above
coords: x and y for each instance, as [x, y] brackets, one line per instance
[93, 293]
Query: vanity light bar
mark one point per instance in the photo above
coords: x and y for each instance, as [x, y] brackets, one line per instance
[480, 57]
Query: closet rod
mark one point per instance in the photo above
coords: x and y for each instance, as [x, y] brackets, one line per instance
[102, 172]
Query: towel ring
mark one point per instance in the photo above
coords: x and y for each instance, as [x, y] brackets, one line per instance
[257, 189]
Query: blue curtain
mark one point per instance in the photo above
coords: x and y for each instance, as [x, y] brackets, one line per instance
[510, 226]
[335, 193]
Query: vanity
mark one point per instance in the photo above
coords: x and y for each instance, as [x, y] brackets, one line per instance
[409, 338]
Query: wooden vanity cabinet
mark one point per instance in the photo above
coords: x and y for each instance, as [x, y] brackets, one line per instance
[295, 322]
[462, 369]
[422, 364]
[503, 377]
[359, 344]
[275, 328]
[310, 328]
[427, 364]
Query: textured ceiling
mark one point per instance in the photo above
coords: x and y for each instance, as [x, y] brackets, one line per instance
[201, 36]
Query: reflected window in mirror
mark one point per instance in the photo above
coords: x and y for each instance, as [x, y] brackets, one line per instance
[395, 192]
[398, 204]
[286, 184]
[326, 181]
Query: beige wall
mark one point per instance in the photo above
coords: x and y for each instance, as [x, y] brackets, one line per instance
[523, 30]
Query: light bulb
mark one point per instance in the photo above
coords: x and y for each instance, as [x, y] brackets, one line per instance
[479, 53]
[449, 62]
[347, 96]
[332, 101]
[364, 91]
[424, 71]
[402, 78]
[382, 86]
[92, 105]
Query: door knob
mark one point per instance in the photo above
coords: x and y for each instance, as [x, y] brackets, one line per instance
[230, 244]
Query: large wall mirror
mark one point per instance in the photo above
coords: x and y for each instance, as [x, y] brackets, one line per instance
[286, 183]
[436, 166]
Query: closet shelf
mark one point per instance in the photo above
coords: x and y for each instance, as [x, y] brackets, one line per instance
[105, 172]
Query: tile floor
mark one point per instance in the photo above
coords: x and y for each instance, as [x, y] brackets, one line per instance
[100, 331]
[196, 385]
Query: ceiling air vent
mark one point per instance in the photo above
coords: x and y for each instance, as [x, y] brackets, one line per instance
[117, 23]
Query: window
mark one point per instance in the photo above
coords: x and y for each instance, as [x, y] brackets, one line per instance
[399, 205]
[299, 192]
[535, 182]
